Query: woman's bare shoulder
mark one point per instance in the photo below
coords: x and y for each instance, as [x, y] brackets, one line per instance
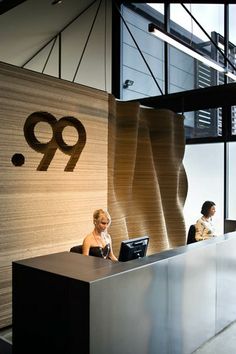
[88, 237]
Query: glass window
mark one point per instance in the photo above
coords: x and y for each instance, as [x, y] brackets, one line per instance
[187, 21]
[181, 71]
[136, 78]
[233, 120]
[232, 40]
[209, 16]
[185, 72]
[158, 7]
[232, 24]
[204, 166]
[203, 123]
[231, 181]
[183, 26]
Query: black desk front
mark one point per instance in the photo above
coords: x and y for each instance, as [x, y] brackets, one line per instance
[170, 302]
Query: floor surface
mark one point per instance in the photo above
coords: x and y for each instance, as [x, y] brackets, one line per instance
[223, 343]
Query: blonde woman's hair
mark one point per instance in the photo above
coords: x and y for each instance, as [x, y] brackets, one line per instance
[99, 213]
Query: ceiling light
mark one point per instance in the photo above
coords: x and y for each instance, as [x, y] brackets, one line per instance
[231, 75]
[183, 47]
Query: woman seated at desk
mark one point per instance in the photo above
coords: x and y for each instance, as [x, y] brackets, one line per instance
[98, 243]
[204, 226]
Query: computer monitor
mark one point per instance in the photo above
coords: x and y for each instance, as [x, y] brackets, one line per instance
[133, 248]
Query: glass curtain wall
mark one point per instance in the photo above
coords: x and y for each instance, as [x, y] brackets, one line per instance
[231, 176]
[231, 205]
[200, 26]
[232, 32]
[204, 165]
[142, 57]
[197, 24]
[209, 175]
[232, 54]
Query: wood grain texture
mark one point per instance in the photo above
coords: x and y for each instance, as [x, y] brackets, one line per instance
[43, 212]
[147, 181]
[131, 164]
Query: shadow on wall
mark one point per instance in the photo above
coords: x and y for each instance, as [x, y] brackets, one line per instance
[147, 181]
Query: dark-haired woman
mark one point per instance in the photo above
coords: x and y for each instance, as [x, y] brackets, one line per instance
[204, 226]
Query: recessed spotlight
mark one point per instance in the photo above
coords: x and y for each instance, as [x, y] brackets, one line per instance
[56, 2]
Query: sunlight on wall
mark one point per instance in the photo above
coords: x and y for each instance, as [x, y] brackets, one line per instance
[204, 167]
[232, 186]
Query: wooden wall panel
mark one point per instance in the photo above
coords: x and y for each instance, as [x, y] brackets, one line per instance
[147, 181]
[43, 212]
[138, 173]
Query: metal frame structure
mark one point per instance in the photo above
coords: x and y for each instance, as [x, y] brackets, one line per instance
[223, 96]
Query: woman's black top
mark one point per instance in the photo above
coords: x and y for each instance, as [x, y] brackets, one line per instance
[100, 252]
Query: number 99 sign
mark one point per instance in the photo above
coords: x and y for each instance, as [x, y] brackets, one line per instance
[49, 149]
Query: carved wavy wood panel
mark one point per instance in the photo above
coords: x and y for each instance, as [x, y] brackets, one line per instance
[147, 181]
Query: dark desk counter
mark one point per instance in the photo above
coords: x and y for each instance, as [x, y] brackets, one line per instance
[169, 302]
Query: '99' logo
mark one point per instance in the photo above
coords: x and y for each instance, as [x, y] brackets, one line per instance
[57, 142]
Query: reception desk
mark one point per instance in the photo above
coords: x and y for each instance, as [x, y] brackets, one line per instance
[170, 302]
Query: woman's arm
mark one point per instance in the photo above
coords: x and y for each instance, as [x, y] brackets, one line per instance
[86, 246]
[202, 231]
[111, 254]
[199, 230]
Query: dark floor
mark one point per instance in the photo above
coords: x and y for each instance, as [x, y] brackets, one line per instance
[6, 341]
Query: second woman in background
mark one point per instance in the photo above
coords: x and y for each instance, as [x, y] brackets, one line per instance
[204, 226]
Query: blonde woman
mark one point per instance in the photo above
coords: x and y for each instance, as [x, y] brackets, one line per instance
[98, 243]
